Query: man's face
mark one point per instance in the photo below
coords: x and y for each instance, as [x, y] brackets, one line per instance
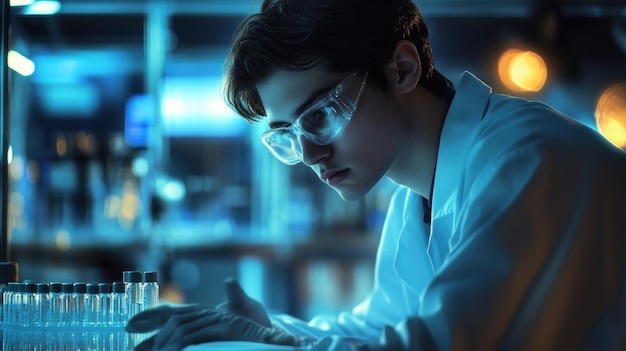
[368, 141]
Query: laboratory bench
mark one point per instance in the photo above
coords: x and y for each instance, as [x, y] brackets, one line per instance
[287, 274]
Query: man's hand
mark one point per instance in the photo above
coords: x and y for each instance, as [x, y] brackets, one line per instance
[182, 326]
[155, 318]
[239, 303]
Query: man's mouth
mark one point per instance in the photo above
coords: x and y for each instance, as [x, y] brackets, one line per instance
[333, 178]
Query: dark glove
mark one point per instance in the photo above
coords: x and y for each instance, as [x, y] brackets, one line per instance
[239, 303]
[182, 326]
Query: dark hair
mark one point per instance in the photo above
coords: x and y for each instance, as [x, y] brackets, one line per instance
[345, 35]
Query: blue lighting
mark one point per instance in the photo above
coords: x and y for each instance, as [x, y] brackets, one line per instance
[194, 106]
[42, 8]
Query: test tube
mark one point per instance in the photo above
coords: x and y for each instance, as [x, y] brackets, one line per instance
[119, 304]
[105, 291]
[55, 306]
[8, 303]
[78, 304]
[92, 305]
[28, 304]
[8, 274]
[150, 289]
[132, 280]
[16, 301]
[67, 304]
[42, 302]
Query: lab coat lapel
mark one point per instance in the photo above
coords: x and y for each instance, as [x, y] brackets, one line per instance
[459, 129]
[410, 263]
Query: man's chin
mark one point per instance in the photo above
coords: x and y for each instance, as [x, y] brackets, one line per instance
[349, 195]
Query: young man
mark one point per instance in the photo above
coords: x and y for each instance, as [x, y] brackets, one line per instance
[507, 231]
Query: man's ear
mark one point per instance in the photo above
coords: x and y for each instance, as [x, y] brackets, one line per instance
[405, 70]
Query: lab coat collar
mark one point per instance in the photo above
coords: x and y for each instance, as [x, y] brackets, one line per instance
[412, 243]
[459, 131]
[467, 109]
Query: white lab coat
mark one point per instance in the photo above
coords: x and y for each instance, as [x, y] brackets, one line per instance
[527, 246]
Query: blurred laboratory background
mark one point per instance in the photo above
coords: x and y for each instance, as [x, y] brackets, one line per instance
[123, 156]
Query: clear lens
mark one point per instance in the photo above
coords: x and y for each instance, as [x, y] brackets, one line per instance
[323, 121]
[284, 145]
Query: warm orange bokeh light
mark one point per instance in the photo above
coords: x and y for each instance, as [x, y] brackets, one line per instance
[522, 71]
[610, 114]
[503, 68]
[61, 145]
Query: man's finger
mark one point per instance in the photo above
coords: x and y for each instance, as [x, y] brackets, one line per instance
[155, 318]
[234, 293]
[222, 306]
[180, 325]
[145, 345]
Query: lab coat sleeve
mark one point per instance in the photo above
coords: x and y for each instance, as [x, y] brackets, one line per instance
[527, 249]
[379, 308]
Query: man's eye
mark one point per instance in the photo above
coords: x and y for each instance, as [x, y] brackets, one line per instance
[321, 114]
[318, 118]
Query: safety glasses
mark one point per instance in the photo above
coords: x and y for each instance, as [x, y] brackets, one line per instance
[320, 123]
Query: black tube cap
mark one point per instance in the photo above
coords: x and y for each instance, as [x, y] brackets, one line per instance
[131, 277]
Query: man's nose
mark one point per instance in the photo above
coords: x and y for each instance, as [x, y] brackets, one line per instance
[313, 153]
